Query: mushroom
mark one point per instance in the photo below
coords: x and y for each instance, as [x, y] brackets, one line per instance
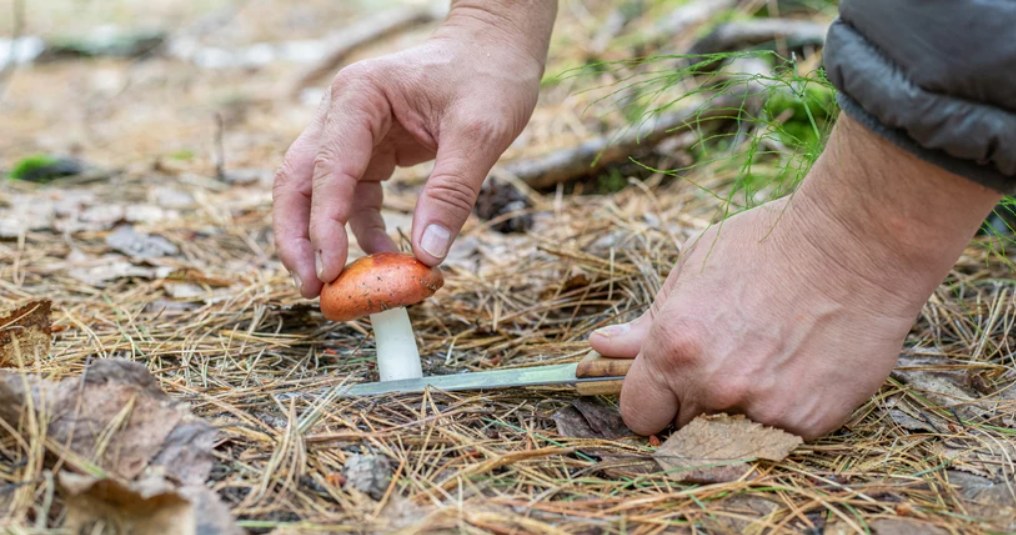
[382, 285]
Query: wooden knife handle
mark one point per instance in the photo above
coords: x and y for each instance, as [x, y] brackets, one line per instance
[596, 365]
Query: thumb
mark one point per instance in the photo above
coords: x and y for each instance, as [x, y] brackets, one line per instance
[465, 155]
[622, 340]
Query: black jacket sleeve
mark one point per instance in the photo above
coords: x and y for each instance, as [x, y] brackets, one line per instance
[936, 77]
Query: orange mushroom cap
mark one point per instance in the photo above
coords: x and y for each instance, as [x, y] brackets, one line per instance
[377, 283]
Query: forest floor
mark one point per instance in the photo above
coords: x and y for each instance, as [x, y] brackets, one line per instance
[160, 252]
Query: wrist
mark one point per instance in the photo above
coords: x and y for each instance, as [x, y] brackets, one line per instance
[521, 27]
[905, 214]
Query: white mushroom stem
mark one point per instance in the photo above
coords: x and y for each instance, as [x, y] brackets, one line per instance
[397, 354]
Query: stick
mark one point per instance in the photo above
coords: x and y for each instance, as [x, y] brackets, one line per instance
[360, 34]
[592, 155]
[745, 33]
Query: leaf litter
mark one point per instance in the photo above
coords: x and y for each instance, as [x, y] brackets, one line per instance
[129, 455]
[468, 462]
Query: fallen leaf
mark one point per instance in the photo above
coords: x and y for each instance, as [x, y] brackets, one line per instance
[590, 419]
[25, 213]
[25, 333]
[116, 268]
[170, 197]
[716, 442]
[129, 241]
[975, 455]
[738, 515]
[934, 379]
[115, 415]
[912, 419]
[368, 473]
[152, 506]
[904, 526]
[991, 502]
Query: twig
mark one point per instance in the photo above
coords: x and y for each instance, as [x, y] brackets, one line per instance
[745, 33]
[220, 148]
[363, 33]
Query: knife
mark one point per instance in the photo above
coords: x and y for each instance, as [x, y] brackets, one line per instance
[594, 375]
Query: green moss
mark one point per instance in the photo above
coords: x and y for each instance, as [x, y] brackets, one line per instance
[44, 168]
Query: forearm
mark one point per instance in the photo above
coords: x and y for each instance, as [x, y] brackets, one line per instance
[524, 25]
[907, 214]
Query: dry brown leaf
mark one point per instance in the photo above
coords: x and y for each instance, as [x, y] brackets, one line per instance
[590, 419]
[975, 455]
[25, 333]
[904, 526]
[116, 416]
[152, 506]
[936, 380]
[992, 502]
[716, 442]
[740, 514]
[139, 245]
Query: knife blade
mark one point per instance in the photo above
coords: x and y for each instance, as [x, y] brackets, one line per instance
[593, 375]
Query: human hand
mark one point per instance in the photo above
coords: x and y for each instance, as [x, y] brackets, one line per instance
[794, 312]
[462, 97]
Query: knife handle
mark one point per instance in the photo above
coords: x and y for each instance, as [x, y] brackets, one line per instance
[596, 365]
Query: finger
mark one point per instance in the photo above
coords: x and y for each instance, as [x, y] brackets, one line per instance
[291, 202]
[623, 340]
[366, 222]
[464, 157]
[357, 119]
[647, 403]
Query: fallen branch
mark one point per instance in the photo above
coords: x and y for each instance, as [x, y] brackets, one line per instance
[741, 34]
[684, 19]
[592, 155]
[363, 33]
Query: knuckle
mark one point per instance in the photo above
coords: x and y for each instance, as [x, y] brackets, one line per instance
[485, 129]
[727, 391]
[456, 192]
[678, 344]
[768, 413]
[352, 74]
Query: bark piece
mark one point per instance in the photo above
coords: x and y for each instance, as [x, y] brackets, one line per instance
[368, 473]
[25, 333]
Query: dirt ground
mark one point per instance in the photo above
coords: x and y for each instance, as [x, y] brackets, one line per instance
[216, 320]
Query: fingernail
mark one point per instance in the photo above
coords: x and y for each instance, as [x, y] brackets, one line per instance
[319, 265]
[435, 240]
[297, 281]
[613, 330]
